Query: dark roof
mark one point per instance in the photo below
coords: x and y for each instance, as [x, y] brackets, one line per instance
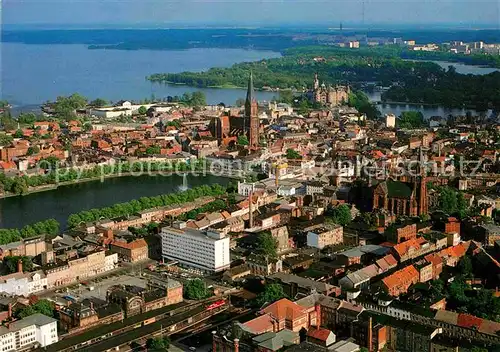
[153, 295]
[398, 189]
[106, 311]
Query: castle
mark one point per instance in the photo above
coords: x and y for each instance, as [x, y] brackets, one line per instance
[328, 95]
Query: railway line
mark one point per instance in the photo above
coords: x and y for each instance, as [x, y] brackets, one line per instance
[167, 320]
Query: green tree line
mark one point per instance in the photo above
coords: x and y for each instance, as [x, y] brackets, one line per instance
[136, 205]
[410, 81]
[48, 227]
[21, 184]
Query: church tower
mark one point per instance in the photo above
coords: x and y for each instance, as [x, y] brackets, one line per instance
[316, 82]
[423, 202]
[252, 113]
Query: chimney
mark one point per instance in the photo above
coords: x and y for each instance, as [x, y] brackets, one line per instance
[214, 341]
[318, 315]
[10, 310]
[236, 345]
[370, 334]
[109, 234]
[20, 266]
[250, 205]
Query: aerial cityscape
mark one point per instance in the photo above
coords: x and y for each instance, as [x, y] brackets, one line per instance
[250, 176]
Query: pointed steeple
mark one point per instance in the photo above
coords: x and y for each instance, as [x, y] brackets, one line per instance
[250, 90]
[251, 101]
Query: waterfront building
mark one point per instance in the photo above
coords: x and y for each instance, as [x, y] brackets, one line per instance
[328, 95]
[206, 250]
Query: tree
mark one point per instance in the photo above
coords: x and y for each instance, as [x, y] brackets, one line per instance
[10, 263]
[465, 267]
[342, 215]
[142, 110]
[286, 96]
[267, 244]
[98, 103]
[19, 186]
[243, 140]
[33, 150]
[198, 99]
[448, 200]
[196, 289]
[292, 154]
[461, 205]
[5, 140]
[18, 134]
[158, 344]
[43, 306]
[271, 293]
[27, 118]
[411, 119]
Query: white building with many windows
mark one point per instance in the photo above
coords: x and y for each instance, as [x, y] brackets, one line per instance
[37, 330]
[206, 250]
[23, 284]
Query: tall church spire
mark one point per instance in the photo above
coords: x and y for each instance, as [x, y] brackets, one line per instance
[252, 113]
[250, 96]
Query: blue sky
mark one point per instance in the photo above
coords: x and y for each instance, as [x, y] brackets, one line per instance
[466, 13]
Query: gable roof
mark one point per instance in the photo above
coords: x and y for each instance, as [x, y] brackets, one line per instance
[319, 334]
[284, 309]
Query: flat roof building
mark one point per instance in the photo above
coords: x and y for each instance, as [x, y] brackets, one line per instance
[206, 250]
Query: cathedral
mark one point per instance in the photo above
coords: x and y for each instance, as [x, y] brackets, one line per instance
[230, 126]
[403, 198]
[328, 95]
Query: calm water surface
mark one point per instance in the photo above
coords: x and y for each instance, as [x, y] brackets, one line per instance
[59, 204]
[32, 74]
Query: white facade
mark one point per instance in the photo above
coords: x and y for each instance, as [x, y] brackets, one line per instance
[205, 250]
[35, 330]
[23, 284]
[244, 188]
[110, 261]
[390, 120]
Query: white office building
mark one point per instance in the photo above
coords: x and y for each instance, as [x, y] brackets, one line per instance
[37, 330]
[206, 250]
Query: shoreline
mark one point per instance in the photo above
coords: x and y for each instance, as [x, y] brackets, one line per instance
[53, 187]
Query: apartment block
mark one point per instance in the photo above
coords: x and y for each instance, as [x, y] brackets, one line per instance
[205, 250]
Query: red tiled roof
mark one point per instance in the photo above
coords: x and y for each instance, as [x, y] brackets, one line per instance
[403, 247]
[319, 334]
[260, 324]
[140, 243]
[391, 260]
[469, 321]
[405, 275]
[284, 309]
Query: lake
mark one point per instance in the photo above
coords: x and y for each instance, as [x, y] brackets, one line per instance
[426, 110]
[16, 212]
[32, 74]
[462, 68]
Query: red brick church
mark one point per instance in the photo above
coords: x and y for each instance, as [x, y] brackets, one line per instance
[403, 198]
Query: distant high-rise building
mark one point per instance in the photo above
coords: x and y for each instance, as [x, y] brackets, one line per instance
[252, 113]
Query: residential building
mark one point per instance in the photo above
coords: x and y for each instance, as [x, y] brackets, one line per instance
[400, 281]
[321, 236]
[294, 285]
[131, 252]
[204, 250]
[34, 330]
[31, 247]
[23, 284]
